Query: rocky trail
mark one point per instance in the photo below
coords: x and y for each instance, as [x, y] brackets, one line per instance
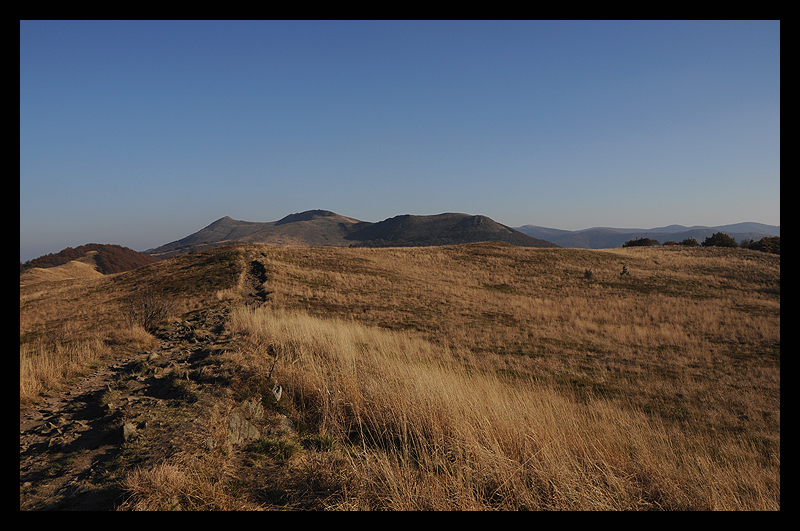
[77, 445]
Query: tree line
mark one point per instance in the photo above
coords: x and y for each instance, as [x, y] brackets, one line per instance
[768, 244]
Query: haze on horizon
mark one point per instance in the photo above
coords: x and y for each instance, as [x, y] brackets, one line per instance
[140, 133]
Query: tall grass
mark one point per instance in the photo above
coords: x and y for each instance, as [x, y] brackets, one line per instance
[49, 363]
[43, 366]
[467, 377]
[426, 431]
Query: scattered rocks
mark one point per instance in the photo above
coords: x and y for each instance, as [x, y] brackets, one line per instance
[84, 428]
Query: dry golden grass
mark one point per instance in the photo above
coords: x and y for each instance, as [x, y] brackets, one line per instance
[179, 484]
[485, 376]
[684, 351]
[427, 432]
[69, 322]
[70, 270]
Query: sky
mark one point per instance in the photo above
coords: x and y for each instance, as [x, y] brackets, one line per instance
[139, 133]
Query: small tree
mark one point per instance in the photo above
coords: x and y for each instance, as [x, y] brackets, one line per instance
[690, 242]
[146, 310]
[768, 244]
[719, 239]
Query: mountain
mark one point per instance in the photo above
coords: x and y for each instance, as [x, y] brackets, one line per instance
[313, 227]
[606, 237]
[326, 228]
[440, 229]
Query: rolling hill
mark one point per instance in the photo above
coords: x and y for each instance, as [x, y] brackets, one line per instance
[102, 258]
[326, 228]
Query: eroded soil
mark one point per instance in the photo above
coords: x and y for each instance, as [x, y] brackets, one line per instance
[76, 446]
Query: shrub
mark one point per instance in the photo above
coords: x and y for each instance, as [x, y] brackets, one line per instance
[281, 449]
[719, 239]
[146, 310]
[690, 242]
[322, 443]
[640, 242]
[769, 244]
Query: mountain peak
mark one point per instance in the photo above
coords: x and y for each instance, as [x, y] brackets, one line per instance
[306, 216]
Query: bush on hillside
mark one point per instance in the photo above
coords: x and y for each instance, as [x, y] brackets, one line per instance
[147, 310]
[640, 242]
[690, 242]
[719, 239]
[769, 244]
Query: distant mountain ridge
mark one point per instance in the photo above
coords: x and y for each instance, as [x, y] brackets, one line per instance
[323, 227]
[607, 237]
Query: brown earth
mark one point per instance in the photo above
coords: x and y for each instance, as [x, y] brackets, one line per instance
[72, 448]
[77, 446]
[137, 410]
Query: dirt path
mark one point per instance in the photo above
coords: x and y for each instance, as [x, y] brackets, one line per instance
[77, 445]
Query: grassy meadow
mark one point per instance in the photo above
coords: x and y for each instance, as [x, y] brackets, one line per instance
[482, 376]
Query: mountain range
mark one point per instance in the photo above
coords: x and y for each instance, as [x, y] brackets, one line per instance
[323, 227]
[326, 228]
[607, 237]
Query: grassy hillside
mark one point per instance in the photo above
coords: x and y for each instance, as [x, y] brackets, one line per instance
[481, 376]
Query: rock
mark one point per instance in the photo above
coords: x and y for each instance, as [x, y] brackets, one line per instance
[128, 431]
[50, 429]
[240, 430]
[281, 425]
[252, 409]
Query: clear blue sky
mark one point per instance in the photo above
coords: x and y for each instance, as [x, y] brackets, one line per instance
[141, 133]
